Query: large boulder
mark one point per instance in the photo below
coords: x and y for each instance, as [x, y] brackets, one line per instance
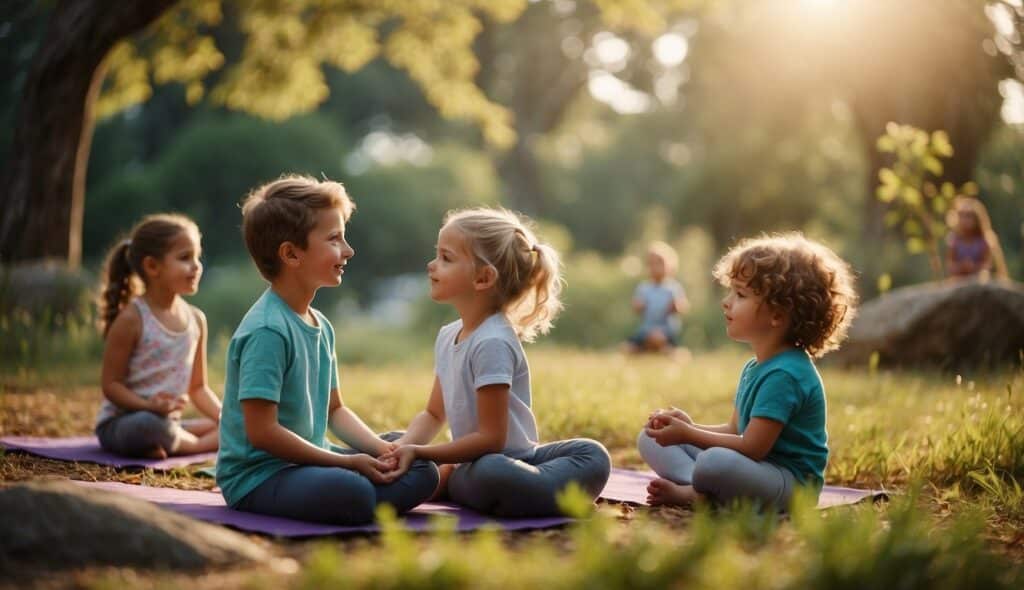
[953, 326]
[58, 525]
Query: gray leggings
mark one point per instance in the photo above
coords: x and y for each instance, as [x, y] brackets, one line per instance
[500, 485]
[334, 495]
[138, 434]
[723, 474]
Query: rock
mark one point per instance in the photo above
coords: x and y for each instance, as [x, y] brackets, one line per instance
[952, 326]
[58, 525]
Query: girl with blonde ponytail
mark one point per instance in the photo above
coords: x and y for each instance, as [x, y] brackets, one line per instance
[505, 284]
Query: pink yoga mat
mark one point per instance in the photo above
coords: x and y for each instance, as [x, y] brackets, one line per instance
[631, 486]
[87, 448]
[210, 507]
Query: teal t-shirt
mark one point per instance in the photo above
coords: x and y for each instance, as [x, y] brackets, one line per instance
[788, 389]
[275, 356]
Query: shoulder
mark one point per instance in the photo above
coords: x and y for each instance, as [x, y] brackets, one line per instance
[127, 321]
[198, 315]
[795, 371]
[496, 334]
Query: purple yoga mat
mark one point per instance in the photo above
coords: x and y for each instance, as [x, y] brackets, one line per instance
[87, 448]
[631, 486]
[209, 506]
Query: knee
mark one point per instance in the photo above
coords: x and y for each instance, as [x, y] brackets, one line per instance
[426, 471]
[713, 466]
[357, 506]
[598, 454]
[648, 447]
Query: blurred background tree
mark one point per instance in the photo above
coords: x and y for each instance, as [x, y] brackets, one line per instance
[693, 121]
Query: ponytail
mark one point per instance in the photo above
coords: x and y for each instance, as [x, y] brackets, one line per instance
[119, 284]
[529, 282]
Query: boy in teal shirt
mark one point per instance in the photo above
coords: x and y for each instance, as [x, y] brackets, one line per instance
[792, 300]
[281, 389]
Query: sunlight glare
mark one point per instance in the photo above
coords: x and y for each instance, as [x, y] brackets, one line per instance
[670, 49]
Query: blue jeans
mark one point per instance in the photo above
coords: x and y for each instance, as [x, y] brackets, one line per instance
[500, 485]
[335, 495]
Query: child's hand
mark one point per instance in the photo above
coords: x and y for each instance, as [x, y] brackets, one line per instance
[673, 412]
[375, 470]
[403, 456]
[165, 403]
[667, 430]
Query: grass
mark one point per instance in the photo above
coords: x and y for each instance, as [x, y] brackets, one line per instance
[951, 448]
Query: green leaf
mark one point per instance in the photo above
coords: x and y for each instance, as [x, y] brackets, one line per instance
[884, 284]
[892, 218]
[941, 145]
[886, 144]
[886, 193]
[933, 165]
[911, 196]
[915, 245]
[970, 189]
[887, 176]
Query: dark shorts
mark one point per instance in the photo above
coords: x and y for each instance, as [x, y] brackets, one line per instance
[639, 338]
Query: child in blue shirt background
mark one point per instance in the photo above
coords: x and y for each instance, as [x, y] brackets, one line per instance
[660, 301]
[791, 299]
[281, 390]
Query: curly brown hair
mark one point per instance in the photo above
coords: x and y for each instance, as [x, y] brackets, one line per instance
[801, 277]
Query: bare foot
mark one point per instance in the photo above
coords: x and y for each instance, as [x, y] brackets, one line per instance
[441, 493]
[662, 492]
[158, 453]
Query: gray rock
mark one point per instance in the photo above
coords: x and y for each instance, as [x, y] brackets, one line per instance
[58, 525]
[952, 326]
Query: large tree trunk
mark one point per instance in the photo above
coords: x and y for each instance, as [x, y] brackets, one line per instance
[44, 181]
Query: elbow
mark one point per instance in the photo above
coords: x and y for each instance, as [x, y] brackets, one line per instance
[756, 454]
[258, 437]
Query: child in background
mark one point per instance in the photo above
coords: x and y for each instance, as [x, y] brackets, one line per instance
[505, 285]
[660, 300]
[154, 357]
[281, 389]
[972, 246]
[791, 300]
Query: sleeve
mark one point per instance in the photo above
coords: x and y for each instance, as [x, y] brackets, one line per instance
[678, 290]
[261, 366]
[493, 363]
[778, 397]
[640, 292]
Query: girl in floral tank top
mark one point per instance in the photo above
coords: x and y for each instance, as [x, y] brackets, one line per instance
[154, 359]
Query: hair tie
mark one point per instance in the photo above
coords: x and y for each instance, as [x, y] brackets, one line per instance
[535, 248]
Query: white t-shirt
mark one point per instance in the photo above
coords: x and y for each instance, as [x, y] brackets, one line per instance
[491, 355]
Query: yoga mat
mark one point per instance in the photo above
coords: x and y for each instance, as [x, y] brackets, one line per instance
[87, 448]
[210, 507]
[626, 485]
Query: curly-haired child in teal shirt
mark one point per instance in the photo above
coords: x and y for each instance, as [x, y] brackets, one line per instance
[791, 299]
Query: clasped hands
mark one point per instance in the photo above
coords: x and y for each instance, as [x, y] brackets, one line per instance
[388, 466]
[669, 427]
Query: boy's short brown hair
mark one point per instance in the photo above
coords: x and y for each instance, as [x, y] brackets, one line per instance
[801, 277]
[285, 211]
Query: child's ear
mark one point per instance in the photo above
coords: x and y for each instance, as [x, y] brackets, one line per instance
[779, 318]
[150, 266]
[486, 277]
[289, 253]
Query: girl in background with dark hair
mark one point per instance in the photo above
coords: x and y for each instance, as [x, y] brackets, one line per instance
[154, 357]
